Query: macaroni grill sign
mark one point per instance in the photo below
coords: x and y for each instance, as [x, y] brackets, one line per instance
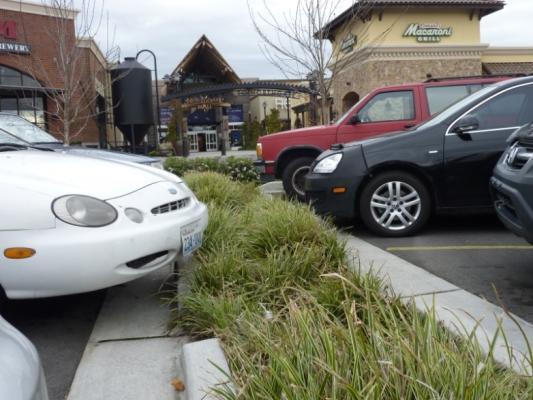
[427, 32]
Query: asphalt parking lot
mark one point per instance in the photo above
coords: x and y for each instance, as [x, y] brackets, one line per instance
[474, 253]
[59, 328]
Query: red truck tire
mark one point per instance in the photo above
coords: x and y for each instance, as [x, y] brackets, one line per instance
[293, 177]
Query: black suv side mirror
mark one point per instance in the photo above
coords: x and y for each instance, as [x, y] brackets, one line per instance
[354, 120]
[466, 124]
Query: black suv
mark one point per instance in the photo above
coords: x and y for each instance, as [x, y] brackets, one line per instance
[394, 182]
[512, 184]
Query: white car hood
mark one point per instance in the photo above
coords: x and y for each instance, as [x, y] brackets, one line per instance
[57, 174]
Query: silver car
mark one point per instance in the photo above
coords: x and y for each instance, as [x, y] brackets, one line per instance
[37, 137]
[21, 373]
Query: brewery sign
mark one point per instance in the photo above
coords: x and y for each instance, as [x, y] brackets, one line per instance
[17, 48]
[427, 32]
[204, 103]
[8, 30]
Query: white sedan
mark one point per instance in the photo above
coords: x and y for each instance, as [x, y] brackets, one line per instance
[73, 224]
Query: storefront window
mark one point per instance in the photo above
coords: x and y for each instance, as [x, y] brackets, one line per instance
[9, 106]
[16, 96]
[29, 108]
[12, 77]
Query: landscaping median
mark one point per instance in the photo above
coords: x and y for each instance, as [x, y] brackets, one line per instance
[271, 282]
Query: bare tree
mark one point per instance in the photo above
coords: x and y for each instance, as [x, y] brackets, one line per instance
[72, 103]
[297, 42]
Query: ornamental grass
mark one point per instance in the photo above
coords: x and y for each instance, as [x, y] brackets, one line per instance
[271, 282]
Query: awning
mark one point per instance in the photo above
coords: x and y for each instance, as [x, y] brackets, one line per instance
[505, 68]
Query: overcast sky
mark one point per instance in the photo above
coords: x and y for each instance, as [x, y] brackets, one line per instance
[171, 27]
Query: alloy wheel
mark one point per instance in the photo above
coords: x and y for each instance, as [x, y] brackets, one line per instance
[395, 205]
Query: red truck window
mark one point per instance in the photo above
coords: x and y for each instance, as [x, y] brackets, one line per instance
[441, 97]
[389, 106]
[505, 110]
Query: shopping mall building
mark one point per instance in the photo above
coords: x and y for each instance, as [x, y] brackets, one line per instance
[387, 42]
[30, 81]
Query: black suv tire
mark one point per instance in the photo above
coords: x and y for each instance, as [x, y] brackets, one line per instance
[395, 204]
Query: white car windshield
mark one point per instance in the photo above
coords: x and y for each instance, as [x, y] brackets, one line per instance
[25, 130]
[7, 139]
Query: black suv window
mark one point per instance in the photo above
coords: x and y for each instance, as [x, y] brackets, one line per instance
[441, 97]
[389, 106]
[509, 109]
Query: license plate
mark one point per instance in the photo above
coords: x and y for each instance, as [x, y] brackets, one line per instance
[191, 238]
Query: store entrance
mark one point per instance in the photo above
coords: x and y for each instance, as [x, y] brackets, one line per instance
[201, 141]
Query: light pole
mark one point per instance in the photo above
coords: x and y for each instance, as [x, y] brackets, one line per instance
[156, 91]
[265, 116]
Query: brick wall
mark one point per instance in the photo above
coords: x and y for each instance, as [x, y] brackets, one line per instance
[41, 33]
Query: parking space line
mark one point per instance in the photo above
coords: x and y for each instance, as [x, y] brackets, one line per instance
[471, 247]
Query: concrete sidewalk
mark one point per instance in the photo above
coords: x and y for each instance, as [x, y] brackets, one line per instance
[459, 311]
[131, 354]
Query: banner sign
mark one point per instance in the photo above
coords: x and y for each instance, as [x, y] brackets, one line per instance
[427, 32]
[17, 48]
[236, 113]
[165, 115]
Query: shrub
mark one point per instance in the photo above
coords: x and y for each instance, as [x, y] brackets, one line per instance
[220, 191]
[238, 168]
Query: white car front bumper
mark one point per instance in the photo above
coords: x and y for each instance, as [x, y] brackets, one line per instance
[71, 259]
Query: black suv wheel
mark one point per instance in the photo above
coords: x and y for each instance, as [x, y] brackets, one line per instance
[395, 204]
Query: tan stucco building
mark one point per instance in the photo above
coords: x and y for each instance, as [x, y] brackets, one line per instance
[386, 42]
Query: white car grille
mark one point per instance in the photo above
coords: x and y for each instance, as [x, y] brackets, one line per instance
[172, 206]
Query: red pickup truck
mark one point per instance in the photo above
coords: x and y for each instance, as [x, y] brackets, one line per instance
[288, 155]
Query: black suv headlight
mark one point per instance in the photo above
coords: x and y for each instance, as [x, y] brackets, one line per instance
[328, 165]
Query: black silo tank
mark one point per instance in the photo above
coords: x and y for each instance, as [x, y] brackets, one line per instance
[132, 99]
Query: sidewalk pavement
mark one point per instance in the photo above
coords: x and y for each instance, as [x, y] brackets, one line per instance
[459, 311]
[131, 355]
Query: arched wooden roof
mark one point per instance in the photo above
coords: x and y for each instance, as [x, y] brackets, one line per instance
[230, 87]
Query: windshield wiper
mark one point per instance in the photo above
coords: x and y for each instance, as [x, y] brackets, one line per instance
[9, 146]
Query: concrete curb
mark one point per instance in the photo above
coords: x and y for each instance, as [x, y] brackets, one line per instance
[205, 367]
[459, 311]
[272, 189]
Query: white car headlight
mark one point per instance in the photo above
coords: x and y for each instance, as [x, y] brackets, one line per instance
[328, 164]
[84, 211]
